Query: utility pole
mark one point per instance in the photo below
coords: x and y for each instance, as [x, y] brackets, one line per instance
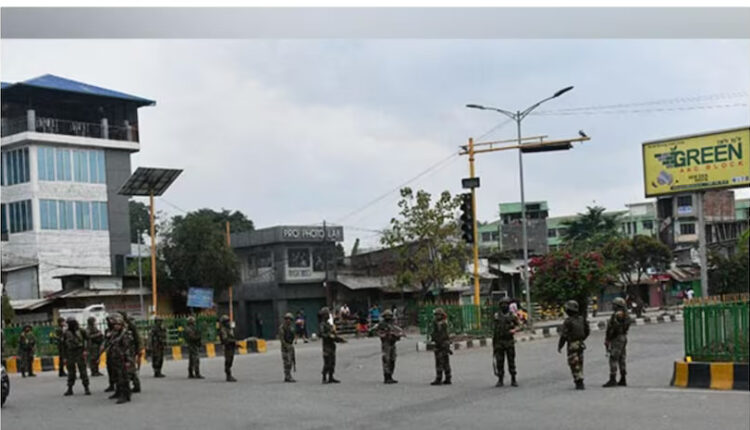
[140, 274]
[231, 302]
[475, 244]
[329, 298]
[702, 242]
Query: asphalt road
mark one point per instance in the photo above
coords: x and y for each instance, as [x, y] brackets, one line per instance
[545, 400]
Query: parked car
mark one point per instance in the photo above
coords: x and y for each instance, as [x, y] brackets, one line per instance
[82, 315]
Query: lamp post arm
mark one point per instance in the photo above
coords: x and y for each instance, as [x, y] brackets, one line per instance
[511, 115]
[532, 107]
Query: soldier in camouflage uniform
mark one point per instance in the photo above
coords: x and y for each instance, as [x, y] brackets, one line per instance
[616, 340]
[575, 330]
[329, 339]
[137, 345]
[76, 342]
[56, 339]
[503, 344]
[26, 346]
[96, 338]
[389, 333]
[108, 337]
[122, 352]
[441, 338]
[157, 343]
[193, 341]
[226, 336]
[286, 336]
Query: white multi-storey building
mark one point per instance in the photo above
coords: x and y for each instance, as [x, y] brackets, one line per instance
[66, 149]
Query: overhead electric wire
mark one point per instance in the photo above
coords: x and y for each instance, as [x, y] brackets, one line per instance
[645, 110]
[676, 100]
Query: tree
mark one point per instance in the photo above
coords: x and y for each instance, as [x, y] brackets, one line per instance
[561, 276]
[730, 274]
[590, 230]
[197, 254]
[8, 312]
[238, 221]
[140, 219]
[632, 257]
[426, 239]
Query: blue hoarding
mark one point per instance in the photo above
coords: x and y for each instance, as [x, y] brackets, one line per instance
[200, 297]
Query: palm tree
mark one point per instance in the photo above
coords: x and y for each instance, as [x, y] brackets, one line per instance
[590, 230]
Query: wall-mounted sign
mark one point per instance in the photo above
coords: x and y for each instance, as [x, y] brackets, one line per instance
[200, 297]
[307, 234]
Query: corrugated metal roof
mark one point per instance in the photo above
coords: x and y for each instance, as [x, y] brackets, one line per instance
[58, 83]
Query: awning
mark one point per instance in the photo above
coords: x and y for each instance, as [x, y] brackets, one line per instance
[29, 304]
[684, 274]
[83, 292]
[484, 269]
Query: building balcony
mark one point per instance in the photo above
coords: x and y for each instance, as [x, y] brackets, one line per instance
[101, 130]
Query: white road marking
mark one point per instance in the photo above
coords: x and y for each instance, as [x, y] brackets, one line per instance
[699, 391]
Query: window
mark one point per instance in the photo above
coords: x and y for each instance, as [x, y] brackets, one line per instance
[486, 237]
[48, 214]
[3, 169]
[4, 222]
[46, 163]
[552, 233]
[648, 225]
[298, 257]
[65, 210]
[16, 166]
[80, 166]
[96, 167]
[63, 164]
[83, 216]
[99, 216]
[20, 216]
[684, 201]
[103, 216]
[495, 235]
[687, 228]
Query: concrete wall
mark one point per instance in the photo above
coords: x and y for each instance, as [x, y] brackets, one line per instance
[22, 284]
[536, 230]
[118, 171]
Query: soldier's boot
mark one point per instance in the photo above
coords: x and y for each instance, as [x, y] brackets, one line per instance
[190, 374]
[612, 381]
[62, 373]
[393, 381]
[86, 390]
[622, 382]
[199, 376]
[122, 399]
[69, 392]
[23, 374]
[513, 382]
[500, 382]
[34, 374]
[447, 380]
[115, 395]
[136, 387]
[230, 378]
[331, 379]
[288, 378]
[579, 384]
[110, 388]
[438, 379]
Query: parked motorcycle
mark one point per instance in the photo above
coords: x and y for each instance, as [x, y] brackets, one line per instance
[6, 385]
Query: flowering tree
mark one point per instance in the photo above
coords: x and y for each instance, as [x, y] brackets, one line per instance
[561, 276]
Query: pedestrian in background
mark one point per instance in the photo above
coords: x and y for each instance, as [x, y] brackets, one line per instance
[157, 343]
[26, 346]
[96, 339]
[300, 325]
[575, 330]
[226, 336]
[193, 341]
[75, 341]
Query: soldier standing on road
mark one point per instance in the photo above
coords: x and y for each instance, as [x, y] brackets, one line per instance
[616, 340]
[389, 333]
[193, 341]
[226, 336]
[329, 339]
[137, 345]
[96, 338]
[503, 343]
[286, 336]
[122, 352]
[76, 343]
[157, 343]
[26, 346]
[574, 331]
[108, 338]
[56, 339]
[440, 336]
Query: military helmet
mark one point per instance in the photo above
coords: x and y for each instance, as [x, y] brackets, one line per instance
[619, 302]
[60, 320]
[27, 326]
[70, 320]
[190, 319]
[91, 319]
[158, 318]
[288, 316]
[571, 306]
[439, 311]
[323, 310]
[387, 314]
[224, 318]
[116, 319]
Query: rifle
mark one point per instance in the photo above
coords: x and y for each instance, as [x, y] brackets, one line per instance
[294, 360]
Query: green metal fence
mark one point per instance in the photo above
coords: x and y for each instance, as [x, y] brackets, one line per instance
[462, 319]
[716, 328]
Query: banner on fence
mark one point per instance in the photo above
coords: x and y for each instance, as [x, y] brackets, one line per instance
[199, 297]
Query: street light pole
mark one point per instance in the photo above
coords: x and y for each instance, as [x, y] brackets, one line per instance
[518, 116]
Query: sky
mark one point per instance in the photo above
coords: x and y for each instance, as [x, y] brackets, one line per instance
[302, 131]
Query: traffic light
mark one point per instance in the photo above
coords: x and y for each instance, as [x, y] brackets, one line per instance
[467, 218]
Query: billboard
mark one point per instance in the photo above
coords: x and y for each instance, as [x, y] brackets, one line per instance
[200, 297]
[696, 163]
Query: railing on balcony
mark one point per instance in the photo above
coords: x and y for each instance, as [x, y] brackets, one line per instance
[69, 128]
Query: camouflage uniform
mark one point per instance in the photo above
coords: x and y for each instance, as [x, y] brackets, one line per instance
[76, 342]
[96, 338]
[157, 343]
[137, 345]
[329, 339]
[574, 331]
[616, 340]
[503, 343]
[56, 339]
[108, 338]
[389, 334]
[286, 336]
[122, 353]
[440, 336]
[226, 335]
[193, 341]
[26, 345]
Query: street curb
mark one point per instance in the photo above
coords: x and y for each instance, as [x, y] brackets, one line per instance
[173, 353]
[714, 376]
[546, 332]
